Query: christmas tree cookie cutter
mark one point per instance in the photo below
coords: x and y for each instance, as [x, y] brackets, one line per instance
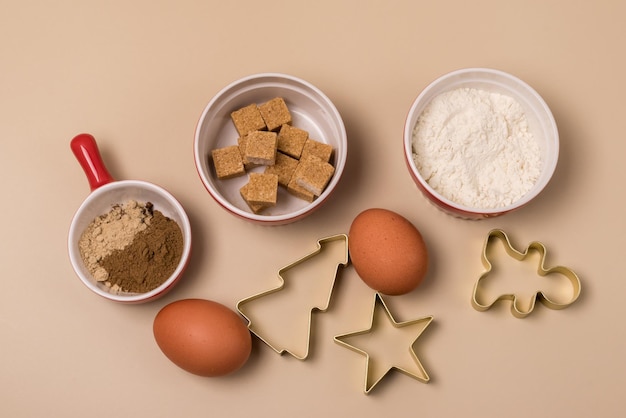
[313, 283]
[540, 295]
[412, 369]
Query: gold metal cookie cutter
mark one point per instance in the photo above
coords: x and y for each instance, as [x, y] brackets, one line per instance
[412, 368]
[318, 294]
[498, 234]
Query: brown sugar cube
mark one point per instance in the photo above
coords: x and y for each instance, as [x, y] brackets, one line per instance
[263, 189]
[260, 148]
[299, 191]
[227, 162]
[291, 140]
[248, 119]
[283, 168]
[275, 113]
[242, 142]
[321, 150]
[313, 174]
[255, 208]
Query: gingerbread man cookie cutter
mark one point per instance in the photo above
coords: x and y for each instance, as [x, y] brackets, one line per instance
[540, 295]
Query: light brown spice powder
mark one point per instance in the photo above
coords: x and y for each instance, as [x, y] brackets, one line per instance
[112, 231]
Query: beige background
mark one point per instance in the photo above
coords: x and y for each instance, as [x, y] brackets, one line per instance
[137, 75]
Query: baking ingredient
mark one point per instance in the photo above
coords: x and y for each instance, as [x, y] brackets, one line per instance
[111, 231]
[132, 248]
[227, 162]
[475, 148]
[275, 113]
[202, 337]
[266, 138]
[149, 260]
[313, 173]
[387, 251]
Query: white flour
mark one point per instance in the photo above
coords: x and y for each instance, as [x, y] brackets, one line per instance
[474, 147]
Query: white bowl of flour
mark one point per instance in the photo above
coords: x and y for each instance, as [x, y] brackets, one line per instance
[480, 143]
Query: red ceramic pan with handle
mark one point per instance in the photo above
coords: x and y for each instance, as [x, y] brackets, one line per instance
[106, 192]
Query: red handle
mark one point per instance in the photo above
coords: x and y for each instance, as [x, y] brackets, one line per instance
[86, 151]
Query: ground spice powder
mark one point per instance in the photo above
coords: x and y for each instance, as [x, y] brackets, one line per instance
[114, 230]
[149, 260]
[133, 248]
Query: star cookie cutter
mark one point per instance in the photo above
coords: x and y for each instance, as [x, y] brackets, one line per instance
[414, 370]
[303, 266]
[498, 234]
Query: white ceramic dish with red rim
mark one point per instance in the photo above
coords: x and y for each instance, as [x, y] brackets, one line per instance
[105, 192]
[540, 120]
[311, 110]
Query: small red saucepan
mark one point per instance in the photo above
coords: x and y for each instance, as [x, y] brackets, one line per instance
[105, 193]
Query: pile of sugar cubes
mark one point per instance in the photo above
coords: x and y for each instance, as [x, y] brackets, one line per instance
[291, 159]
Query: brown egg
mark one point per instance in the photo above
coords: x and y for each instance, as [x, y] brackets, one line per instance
[202, 337]
[387, 251]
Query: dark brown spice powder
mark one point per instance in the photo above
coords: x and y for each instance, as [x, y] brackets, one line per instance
[149, 260]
